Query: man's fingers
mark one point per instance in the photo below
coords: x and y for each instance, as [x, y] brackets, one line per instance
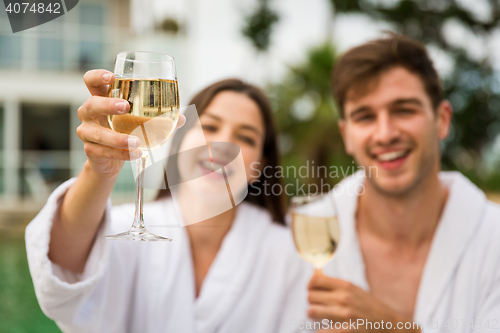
[320, 281]
[96, 151]
[319, 297]
[336, 297]
[181, 121]
[323, 282]
[100, 106]
[334, 312]
[97, 81]
[107, 137]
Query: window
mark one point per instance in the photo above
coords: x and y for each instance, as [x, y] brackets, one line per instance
[50, 53]
[45, 143]
[90, 55]
[91, 14]
[10, 51]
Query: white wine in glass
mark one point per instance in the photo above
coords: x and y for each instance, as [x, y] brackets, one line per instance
[154, 110]
[315, 228]
[147, 80]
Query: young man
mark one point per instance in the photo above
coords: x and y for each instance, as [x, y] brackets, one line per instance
[418, 244]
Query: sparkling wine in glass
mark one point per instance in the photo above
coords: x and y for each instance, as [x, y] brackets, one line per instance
[147, 80]
[315, 228]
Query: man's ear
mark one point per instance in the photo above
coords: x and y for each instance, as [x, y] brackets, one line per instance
[444, 114]
[342, 128]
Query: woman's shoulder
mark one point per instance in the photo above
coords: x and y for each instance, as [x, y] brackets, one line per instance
[260, 214]
[277, 238]
[277, 248]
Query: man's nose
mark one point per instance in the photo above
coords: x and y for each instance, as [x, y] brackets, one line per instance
[386, 131]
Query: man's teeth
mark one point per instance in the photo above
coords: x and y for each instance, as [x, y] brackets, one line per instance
[391, 156]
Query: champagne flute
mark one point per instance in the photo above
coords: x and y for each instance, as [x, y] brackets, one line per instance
[315, 227]
[147, 80]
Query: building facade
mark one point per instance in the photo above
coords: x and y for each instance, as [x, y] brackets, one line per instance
[41, 88]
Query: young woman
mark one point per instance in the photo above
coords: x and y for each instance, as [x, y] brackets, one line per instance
[235, 272]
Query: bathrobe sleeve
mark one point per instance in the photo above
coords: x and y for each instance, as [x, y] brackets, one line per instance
[480, 291]
[488, 311]
[296, 274]
[83, 302]
[294, 318]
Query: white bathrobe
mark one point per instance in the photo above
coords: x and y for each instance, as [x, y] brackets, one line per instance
[256, 284]
[460, 285]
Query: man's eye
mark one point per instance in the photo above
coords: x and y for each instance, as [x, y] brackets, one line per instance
[367, 117]
[405, 111]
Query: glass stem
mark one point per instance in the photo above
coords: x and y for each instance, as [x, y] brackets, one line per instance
[138, 220]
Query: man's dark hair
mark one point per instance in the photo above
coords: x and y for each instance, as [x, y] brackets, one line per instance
[360, 67]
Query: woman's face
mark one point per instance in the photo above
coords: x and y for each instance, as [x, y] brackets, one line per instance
[231, 117]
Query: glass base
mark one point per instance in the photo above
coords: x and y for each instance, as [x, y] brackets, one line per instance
[139, 234]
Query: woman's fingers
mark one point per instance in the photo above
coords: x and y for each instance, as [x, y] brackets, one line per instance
[104, 136]
[181, 121]
[97, 81]
[101, 106]
[96, 151]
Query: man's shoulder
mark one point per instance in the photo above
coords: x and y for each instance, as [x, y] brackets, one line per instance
[488, 232]
[492, 213]
[494, 207]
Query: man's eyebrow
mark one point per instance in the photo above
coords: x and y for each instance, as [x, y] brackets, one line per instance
[398, 101]
[415, 101]
[359, 110]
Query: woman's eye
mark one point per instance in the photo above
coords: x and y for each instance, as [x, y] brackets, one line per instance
[209, 128]
[248, 140]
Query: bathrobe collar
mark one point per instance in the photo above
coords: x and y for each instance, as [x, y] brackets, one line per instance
[460, 220]
[230, 271]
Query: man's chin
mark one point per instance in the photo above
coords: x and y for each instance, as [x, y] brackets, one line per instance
[394, 186]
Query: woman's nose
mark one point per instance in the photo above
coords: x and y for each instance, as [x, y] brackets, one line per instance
[222, 135]
[222, 144]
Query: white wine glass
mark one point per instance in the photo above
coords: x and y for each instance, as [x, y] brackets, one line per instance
[147, 80]
[315, 227]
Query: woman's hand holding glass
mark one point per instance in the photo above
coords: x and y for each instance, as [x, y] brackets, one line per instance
[106, 150]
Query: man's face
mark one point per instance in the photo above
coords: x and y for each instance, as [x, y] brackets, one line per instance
[394, 133]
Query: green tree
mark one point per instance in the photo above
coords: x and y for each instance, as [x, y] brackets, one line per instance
[258, 25]
[307, 120]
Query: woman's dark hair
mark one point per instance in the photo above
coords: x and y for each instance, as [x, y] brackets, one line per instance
[257, 191]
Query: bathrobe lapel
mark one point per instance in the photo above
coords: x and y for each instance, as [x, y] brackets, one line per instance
[460, 220]
[348, 260]
[171, 269]
[230, 271]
